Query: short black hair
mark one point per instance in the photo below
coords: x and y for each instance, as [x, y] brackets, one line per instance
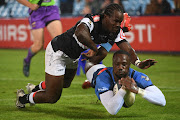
[110, 9]
[121, 52]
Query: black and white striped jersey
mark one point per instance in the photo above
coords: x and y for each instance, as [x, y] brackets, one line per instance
[69, 44]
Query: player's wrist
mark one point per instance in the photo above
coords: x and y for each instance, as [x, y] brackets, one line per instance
[122, 91]
[141, 91]
[137, 62]
[123, 87]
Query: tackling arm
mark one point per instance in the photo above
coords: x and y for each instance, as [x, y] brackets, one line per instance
[102, 53]
[127, 47]
[83, 35]
[134, 58]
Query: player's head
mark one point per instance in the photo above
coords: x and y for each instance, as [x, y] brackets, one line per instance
[113, 16]
[121, 63]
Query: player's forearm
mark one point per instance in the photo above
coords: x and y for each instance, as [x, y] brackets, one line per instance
[153, 95]
[102, 53]
[113, 103]
[127, 47]
[83, 36]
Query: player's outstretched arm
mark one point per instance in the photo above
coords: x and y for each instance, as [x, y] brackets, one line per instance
[134, 58]
[113, 103]
[145, 63]
[152, 93]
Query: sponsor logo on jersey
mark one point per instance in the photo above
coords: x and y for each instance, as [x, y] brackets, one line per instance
[102, 89]
[60, 69]
[145, 77]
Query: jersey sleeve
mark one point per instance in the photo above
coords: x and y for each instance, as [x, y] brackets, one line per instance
[102, 84]
[121, 36]
[142, 80]
[107, 46]
[88, 22]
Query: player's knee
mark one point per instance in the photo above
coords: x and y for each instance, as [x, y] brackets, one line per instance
[67, 81]
[38, 47]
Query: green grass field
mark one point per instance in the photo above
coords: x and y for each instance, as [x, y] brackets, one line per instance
[77, 103]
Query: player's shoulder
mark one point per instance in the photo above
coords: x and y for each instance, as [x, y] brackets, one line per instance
[105, 73]
[136, 74]
[133, 73]
[93, 17]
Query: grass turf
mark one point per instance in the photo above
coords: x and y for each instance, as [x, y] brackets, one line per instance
[76, 103]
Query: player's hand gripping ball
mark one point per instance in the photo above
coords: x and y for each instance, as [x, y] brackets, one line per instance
[129, 84]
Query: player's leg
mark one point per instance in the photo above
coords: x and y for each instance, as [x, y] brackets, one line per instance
[33, 88]
[54, 86]
[53, 22]
[38, 35]
[70, 71]
[37, 24]
[54, 28]
[68, 77]
[52, 93]
[55, 70]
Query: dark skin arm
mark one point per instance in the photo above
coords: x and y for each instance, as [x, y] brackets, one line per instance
[102, 53]
[83, 35]
[127, 47]
[143, 64]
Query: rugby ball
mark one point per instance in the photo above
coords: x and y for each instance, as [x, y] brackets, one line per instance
[129, 98]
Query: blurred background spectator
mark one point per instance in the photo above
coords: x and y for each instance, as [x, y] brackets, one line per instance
[66, 7]
[177, 6]
[11, 8]
[78, 7]
[158, 7]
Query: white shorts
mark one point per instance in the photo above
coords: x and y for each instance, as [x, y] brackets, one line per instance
[57, 62]
[90, 72]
